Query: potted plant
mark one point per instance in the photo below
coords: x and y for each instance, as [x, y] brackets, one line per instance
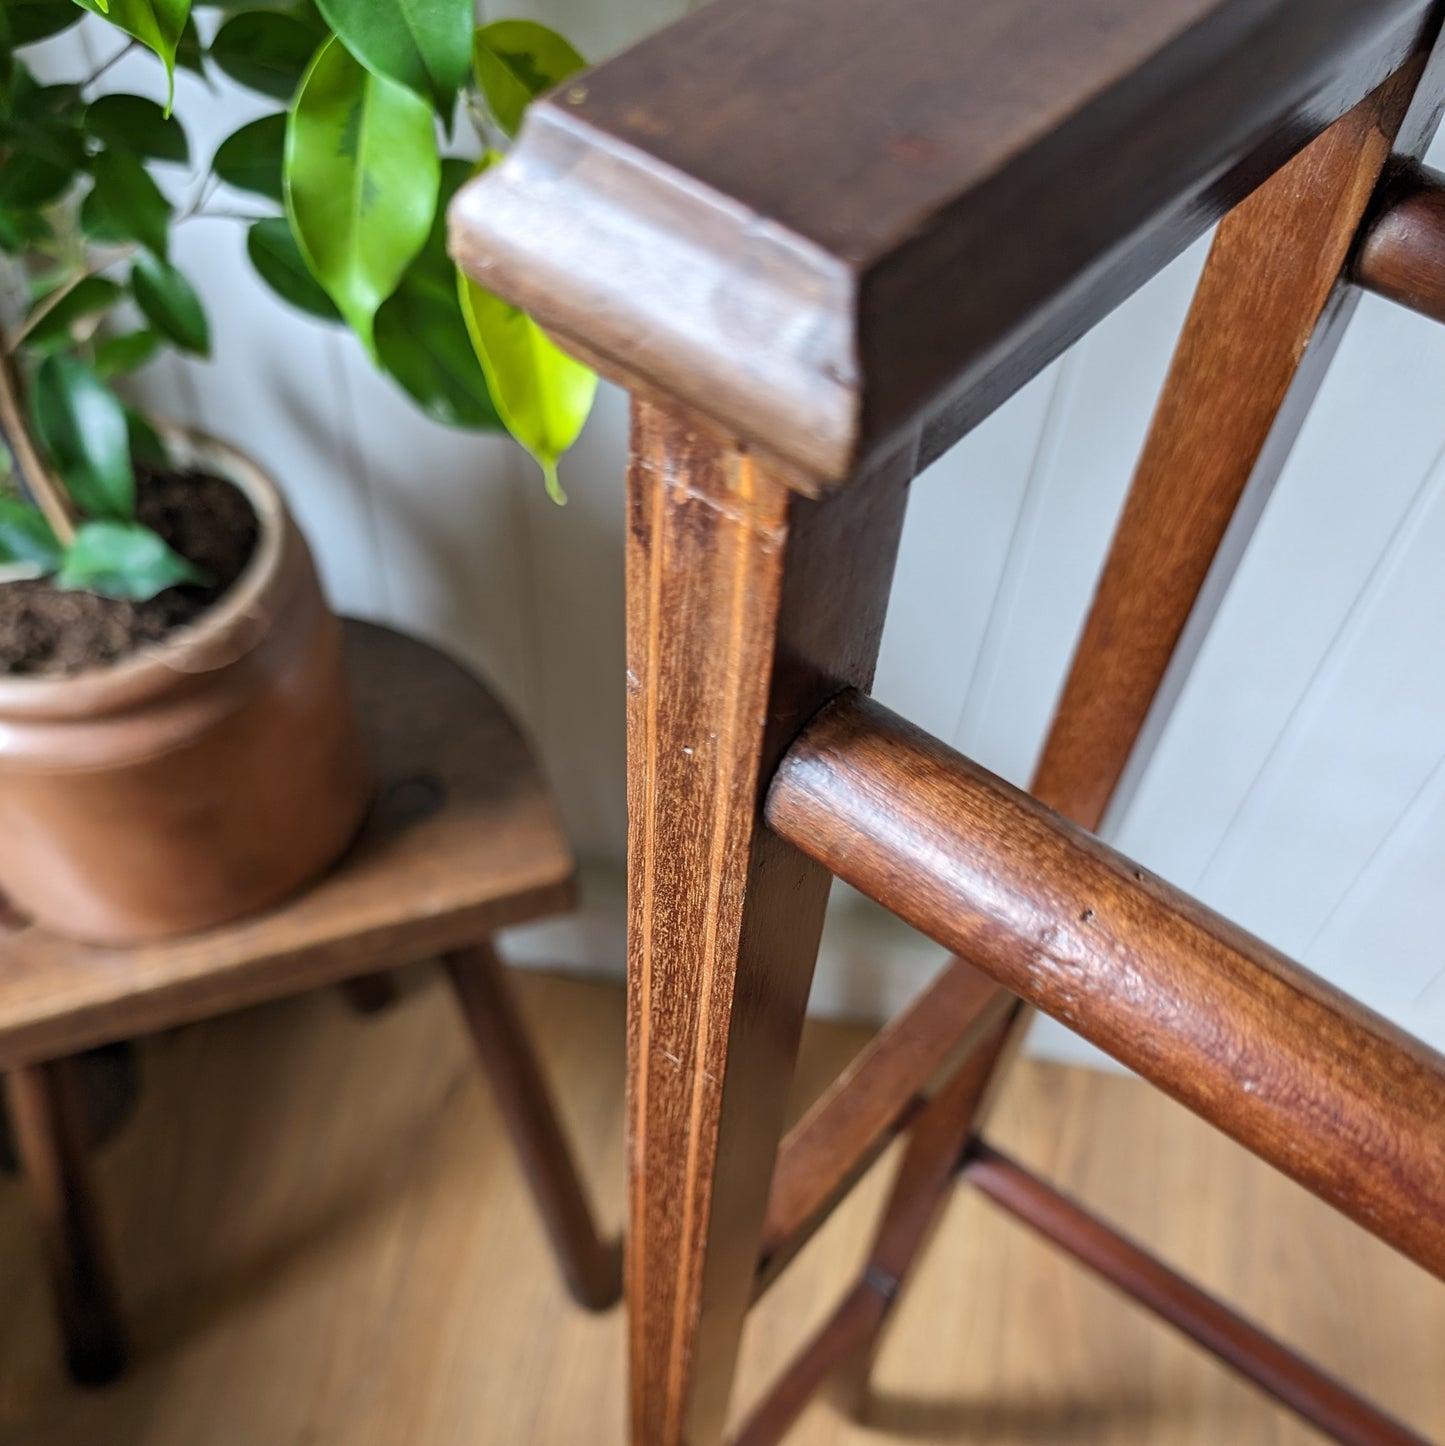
[177, 747]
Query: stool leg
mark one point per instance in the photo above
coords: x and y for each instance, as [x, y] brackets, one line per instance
[592, 1267]
[747, 608]
[49, 1141]
[371, 993]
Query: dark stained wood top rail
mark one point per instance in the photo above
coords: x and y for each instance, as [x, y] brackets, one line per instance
[1330, 1093]
[826, 224]
[1402, 252]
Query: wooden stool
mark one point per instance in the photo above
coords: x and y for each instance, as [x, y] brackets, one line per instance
[818, 249]
[462, 841]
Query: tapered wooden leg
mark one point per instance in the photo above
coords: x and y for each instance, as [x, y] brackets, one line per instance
[748, 606]
[592, 1267]
[46, 1119]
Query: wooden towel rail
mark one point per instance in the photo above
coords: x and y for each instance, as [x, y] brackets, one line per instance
[1332, 1094]
[818, 249]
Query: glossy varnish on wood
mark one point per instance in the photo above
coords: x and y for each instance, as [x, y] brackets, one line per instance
[739, 626]
[1269, 311]
[1329, 1092]
[1122, 663]
[907, 220]
[865, 273]
[1401, 254]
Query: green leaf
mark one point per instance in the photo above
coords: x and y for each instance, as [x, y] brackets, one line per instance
[88, 297]
[125, 204]
[133, 123]
[83, 427]
[516, 60]
[116, 355]
[32, 20]
[43, 120]
[280, 264]
[28, 181]
[421, 336]
[146, 446]
[424, 45]
[541, 394]
[169, 302]
[123, 559]
[250, 159]
[190, 53]
[423, 344]
[157, 24]
[25, 536]
[266, 51]
[21, 230]
[362, 174]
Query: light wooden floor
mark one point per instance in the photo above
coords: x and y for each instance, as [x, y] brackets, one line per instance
[323, 1240]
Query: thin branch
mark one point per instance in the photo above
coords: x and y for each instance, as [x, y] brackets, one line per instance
[222, 216]
[105, 65]
[45, 488]
[44, 307]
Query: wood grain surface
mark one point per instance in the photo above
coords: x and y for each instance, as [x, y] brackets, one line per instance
[748, 607]
[463, 840]
[1401, 254]
[826, 231]
[1269, 312]
[1326, 1090]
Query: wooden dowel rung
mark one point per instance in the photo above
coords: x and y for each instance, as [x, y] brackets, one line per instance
[1401, 252]
[1296, 1071]
[1276, 1369]
[851, 1124]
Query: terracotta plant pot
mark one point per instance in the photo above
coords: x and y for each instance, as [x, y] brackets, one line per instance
[195, 781]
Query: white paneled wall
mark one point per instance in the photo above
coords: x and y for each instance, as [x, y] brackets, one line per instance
[1299, 784]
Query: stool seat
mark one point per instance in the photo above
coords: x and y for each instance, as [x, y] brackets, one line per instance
[461, 841]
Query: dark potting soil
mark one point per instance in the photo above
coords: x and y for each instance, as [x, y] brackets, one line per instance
[205, 518]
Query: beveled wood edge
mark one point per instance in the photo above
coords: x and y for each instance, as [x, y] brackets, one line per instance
[560, 228]
[210, 993]
[669, 286]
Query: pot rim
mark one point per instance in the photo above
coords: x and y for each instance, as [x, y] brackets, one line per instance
[216, 638]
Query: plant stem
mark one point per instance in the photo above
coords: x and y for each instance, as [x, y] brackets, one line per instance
[39, 480]
[105, 65]
[42, 309]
